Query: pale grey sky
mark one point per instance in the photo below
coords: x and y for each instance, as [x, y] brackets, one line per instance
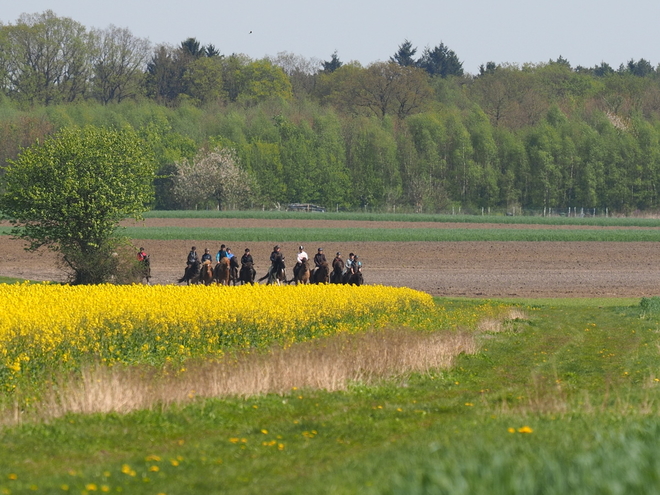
[585, 32]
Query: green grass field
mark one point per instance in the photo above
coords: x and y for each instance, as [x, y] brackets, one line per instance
[410, 217]
[562, 400]
[391, 235]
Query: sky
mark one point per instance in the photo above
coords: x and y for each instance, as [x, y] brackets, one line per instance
[585, 32]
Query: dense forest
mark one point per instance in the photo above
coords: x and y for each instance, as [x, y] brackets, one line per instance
[413, 133]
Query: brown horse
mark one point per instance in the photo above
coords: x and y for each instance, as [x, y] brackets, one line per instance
[206, 273]
[322, 274]
[301, 275]
[337, 271]
[222, 271]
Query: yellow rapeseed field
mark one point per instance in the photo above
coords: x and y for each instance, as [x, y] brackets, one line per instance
[49, 326]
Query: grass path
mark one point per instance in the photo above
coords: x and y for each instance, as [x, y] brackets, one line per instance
[575, 382]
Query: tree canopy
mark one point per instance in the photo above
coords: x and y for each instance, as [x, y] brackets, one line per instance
[70, 192]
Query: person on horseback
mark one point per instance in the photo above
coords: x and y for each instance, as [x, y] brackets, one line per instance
[207, 255]
[356, 266]
[275, 260]
[145, 263]
[319, 258]
[300, 258]
[221, 254]
[338, 259]
[192, 257]
[247, 257]
[230, 255]
[142, 255]
[349, 263]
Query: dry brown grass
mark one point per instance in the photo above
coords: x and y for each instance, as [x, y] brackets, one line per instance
[330, 364]
[509, 322]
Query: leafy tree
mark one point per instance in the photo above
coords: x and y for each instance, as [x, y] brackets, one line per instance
[404, 55]
[203, 80]
[46, 59]
[69, 194]
[119, 62]
[441, 61]
[261, 80]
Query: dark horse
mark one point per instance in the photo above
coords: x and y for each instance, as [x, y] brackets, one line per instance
[277, 274]
[206, 273]
[301, 275]
[233, 270]
[322, 274]
[222, 271]
[353, 278]
[191, 275]
[247, 273]
[337, 271]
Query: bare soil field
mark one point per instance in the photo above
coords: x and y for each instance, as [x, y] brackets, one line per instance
[473, 269]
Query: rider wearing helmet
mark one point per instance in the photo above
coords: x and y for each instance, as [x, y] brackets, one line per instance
[301, 257]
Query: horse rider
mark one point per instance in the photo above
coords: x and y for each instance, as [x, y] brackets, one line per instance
[247, 257]
[349, 263]
[230, 255]
[356, 266]
[301, 257]
[275, 259]
[338, 259]
[192, 257]
[207, 255]
[222, 253]
[319, 259]
[142, 255]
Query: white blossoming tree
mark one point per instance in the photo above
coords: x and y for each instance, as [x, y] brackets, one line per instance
[213, 178]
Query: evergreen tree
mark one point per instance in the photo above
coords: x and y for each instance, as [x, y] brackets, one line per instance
[404, 55]
[441, 61]
[333, 64]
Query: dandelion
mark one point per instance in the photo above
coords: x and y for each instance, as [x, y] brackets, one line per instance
[154, 469]
[511, 430]
[91, 487]
[525, 429]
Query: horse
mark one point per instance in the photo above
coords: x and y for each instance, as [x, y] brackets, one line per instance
[353, 278]
[322, 274]
[301, 275]
[191, 275]
[206, 273]
[277, 274]
[233, 270]
[221, 272]
[337, 271]
[247, 273]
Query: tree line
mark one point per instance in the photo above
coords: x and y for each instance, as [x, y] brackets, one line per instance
[413, 133]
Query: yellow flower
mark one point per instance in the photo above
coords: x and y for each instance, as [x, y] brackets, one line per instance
[525, 429]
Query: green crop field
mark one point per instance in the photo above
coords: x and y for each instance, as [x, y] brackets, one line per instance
[560, 398]
[410, 217]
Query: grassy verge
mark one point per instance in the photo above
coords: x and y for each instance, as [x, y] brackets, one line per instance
[388, 235]
[563, 399]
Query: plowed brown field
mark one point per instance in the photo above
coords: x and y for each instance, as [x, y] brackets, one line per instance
[476, 269]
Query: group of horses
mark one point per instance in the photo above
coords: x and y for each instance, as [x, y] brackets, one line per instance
[323, 274]
[227, 272]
